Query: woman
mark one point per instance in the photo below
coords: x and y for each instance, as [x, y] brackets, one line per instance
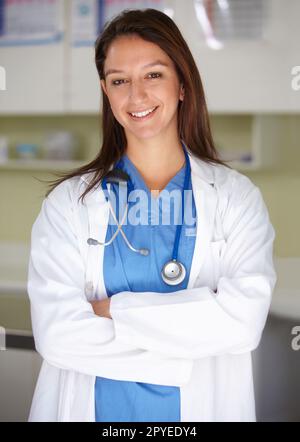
[155, 325]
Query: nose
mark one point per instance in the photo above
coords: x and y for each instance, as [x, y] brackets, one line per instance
[137, 91]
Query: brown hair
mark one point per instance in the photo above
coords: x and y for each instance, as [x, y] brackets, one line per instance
[193, 120]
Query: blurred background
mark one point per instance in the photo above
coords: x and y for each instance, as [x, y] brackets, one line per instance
[248, 54]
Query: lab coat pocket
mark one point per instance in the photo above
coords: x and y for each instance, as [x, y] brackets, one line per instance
[217, 252]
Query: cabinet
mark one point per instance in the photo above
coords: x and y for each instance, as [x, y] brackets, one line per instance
[34, 77]
[276, 373]
[245, 76]
[19, 371]
[247, 84]
[84, 83]
[249, 142]
[248, 75]
[56, 78]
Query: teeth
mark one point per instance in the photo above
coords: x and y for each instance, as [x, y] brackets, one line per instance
[142, 114]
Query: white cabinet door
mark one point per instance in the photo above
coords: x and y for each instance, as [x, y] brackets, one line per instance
[293, 55]
[35, 74]
[83, 83]
[34, 79]
[247, 75]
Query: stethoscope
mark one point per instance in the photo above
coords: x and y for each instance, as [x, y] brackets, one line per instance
[173, 271]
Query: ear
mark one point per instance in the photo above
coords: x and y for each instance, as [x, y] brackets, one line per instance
[181, 96]
[102, 82]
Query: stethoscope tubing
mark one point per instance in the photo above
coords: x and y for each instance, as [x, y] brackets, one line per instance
[167, 275]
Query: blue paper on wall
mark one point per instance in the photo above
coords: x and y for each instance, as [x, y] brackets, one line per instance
[27, 22]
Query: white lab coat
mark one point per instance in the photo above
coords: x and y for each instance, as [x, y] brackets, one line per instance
[199, 339]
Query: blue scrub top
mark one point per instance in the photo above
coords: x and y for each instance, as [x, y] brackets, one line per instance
[125, 401]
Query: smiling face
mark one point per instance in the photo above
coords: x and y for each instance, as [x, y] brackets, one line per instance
[146, 81]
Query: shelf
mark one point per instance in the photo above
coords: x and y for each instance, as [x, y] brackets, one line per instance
[46, 165]
[251, 142]
[40, 165]
[243, 166]
[43, 165]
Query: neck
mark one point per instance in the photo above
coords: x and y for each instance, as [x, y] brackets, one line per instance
[156, 159]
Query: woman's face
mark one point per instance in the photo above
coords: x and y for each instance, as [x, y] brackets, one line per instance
[138, 87]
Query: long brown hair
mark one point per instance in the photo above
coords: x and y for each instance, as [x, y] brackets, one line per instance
[193, 121]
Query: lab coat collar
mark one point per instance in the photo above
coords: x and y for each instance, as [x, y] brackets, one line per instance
[201, 168]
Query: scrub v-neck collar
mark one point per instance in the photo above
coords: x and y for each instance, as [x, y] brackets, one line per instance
[138, 182]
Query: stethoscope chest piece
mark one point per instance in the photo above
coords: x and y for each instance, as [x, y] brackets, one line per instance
[173, 272]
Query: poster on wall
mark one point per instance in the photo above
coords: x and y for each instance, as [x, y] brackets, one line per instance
[89, 16]
[30, 22]
[114, 7]
[85, 21]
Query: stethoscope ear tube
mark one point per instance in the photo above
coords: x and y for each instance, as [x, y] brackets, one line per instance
[143, 251]
[91, 241]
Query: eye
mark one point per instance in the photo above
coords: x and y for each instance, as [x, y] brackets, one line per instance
[155, 73]
[115, 82]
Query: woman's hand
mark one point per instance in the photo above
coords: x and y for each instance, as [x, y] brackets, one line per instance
[101, 308]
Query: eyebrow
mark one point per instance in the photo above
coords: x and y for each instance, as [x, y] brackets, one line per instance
[154, 63]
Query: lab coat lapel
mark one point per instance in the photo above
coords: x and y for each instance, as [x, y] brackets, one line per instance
[98, 216]
[205, 197]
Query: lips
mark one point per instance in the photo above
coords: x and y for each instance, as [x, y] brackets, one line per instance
[143, 118]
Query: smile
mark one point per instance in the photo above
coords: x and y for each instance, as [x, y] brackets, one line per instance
[142, 115]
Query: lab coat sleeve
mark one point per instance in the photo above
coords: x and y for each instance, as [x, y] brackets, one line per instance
[67, 333]
[198, 322]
